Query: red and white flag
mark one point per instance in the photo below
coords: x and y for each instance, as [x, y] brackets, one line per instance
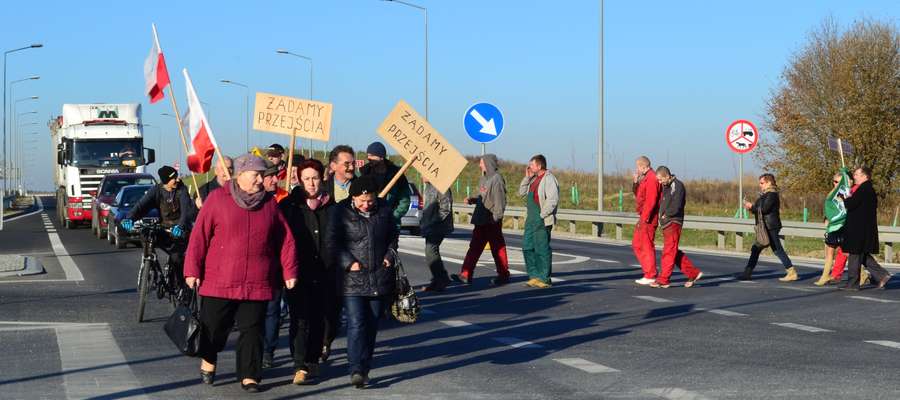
[203, 144]
[156, 75]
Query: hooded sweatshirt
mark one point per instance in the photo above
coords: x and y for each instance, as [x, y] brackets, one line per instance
[491, 201]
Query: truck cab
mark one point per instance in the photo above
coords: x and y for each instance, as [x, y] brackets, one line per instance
[92, 141]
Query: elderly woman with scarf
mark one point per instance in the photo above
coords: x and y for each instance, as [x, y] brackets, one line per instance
[240, 250]
[767, 210]
[362, 242]
[307, 211]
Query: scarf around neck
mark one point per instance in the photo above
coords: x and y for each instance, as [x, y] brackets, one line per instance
[246, 200]
[318, 201]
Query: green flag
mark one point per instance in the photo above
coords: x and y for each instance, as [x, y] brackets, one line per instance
[835, 213]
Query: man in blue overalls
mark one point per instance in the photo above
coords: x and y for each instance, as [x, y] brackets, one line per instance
[541, 191]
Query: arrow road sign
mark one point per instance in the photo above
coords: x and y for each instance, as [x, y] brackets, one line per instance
[483, 122]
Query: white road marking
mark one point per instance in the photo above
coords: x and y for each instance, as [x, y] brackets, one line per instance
[722, 312]
[805, 328]
[653, 299]
[454, 323]
[420, 254]
[93, 365]
[875, 299]
[38, 211]
[517, 343]
[605, 260]
[886, 343]
[585, 365]
[65, 261]
[636, 266]
[675, 394]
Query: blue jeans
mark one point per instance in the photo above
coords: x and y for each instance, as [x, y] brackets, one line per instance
[273, 322]
[363, 314]
[775, 242]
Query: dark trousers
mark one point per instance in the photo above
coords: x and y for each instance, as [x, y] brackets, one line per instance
[363, 313]
[333, 308]
[775, 242]
[433, 259]
[307, 332]
[856, 261]
[273, 322]
[217, 316]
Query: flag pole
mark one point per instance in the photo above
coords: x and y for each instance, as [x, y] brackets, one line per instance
[290, 162]
[177, 116]
[390, 185]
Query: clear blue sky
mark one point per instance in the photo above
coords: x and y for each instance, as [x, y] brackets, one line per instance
[676, 72]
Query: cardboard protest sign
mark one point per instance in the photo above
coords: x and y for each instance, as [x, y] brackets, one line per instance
[414, 138]
[287, 115]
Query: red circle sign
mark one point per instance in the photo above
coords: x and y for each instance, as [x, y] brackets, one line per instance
[741, 136]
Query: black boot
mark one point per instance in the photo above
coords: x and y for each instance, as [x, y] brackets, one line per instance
[746, 275]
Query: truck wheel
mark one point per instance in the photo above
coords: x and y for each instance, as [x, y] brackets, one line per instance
[70, 224]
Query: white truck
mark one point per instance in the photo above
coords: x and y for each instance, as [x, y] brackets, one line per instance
[94, 140]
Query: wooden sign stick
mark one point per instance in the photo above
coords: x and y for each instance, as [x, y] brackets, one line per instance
[390, 185]
[290, 163]
[841, 150]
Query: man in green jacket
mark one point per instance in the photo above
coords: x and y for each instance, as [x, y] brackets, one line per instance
[541, 191]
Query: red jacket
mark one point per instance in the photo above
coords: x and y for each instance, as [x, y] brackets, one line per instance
[240, 254]
[646, 197]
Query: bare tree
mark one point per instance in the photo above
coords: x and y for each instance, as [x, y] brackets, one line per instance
[840, 85]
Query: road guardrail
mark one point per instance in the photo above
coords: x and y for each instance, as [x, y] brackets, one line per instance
[721, 225]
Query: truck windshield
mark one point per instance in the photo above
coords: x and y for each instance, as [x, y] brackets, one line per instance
[104, 153]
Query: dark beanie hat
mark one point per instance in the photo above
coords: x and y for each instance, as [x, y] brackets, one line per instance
[166, 174]
[377, 149]
[362, 185]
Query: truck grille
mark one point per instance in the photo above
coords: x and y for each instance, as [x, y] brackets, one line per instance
[89, 183]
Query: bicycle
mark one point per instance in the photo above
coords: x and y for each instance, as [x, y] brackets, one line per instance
[151, 275]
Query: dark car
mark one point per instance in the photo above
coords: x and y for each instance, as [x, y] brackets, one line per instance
[108, 189]
[127, 197]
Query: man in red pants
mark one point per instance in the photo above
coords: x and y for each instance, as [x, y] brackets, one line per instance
[488, 220]
[646, 196]
[671, 217]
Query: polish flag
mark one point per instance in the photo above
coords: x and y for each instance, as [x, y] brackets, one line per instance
[156, 75]
[203, 144]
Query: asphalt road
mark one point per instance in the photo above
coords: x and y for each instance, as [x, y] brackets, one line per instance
[70, 333]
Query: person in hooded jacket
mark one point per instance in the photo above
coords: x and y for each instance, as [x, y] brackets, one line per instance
[767, 210]
[307, 211]
[490, 204]
[382, 170]
[362, 242]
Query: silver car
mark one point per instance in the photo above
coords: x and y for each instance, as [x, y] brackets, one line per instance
[410, 221]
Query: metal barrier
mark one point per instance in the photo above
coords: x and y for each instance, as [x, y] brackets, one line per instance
[721, 225]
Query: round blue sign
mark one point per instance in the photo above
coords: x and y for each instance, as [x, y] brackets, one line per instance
[483, 122]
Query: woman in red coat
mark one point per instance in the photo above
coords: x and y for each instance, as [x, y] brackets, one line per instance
[240, 250]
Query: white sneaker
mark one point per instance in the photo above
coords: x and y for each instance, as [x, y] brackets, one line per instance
[644, 281]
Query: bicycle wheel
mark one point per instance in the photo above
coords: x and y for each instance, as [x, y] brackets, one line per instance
[143, 288]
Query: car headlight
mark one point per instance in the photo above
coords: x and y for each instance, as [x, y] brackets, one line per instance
[104, 206]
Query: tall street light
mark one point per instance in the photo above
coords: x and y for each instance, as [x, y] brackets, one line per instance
[246, 109]
[25, 164]
[12, 95]
[283, 51]
[600, 125]
[6, 53]
[18, 171]
[424, 11]
[18, 153]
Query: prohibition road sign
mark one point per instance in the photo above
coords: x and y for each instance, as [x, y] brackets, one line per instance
[741, 136]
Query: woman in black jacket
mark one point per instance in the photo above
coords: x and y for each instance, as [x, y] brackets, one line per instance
[362, 242]
[767, 207]
[307, 211]
[861, 232]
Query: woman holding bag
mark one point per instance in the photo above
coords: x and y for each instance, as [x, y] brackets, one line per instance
[766, 209]
[240, 250]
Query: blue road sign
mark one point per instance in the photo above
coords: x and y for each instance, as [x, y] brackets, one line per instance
[483, 122]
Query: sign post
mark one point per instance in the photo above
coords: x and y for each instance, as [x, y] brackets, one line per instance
[483, 123]
[741, 137]
[422, 146]
[294, 117]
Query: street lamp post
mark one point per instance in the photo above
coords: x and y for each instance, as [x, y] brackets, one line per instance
[12, 95]
[18, 170]
[600, 123]
[18, 153]
[425, 11]
[25, 164]
[3, 193]
[246, 109]
[283, 51]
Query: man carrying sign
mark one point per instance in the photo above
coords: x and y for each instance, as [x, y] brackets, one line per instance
[488, 220]
[382, 170]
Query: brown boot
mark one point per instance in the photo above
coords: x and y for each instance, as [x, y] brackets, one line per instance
[826, 274]
[790, 276]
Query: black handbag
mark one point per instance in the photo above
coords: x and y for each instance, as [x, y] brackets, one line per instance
[405, 307]
[183, 327]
